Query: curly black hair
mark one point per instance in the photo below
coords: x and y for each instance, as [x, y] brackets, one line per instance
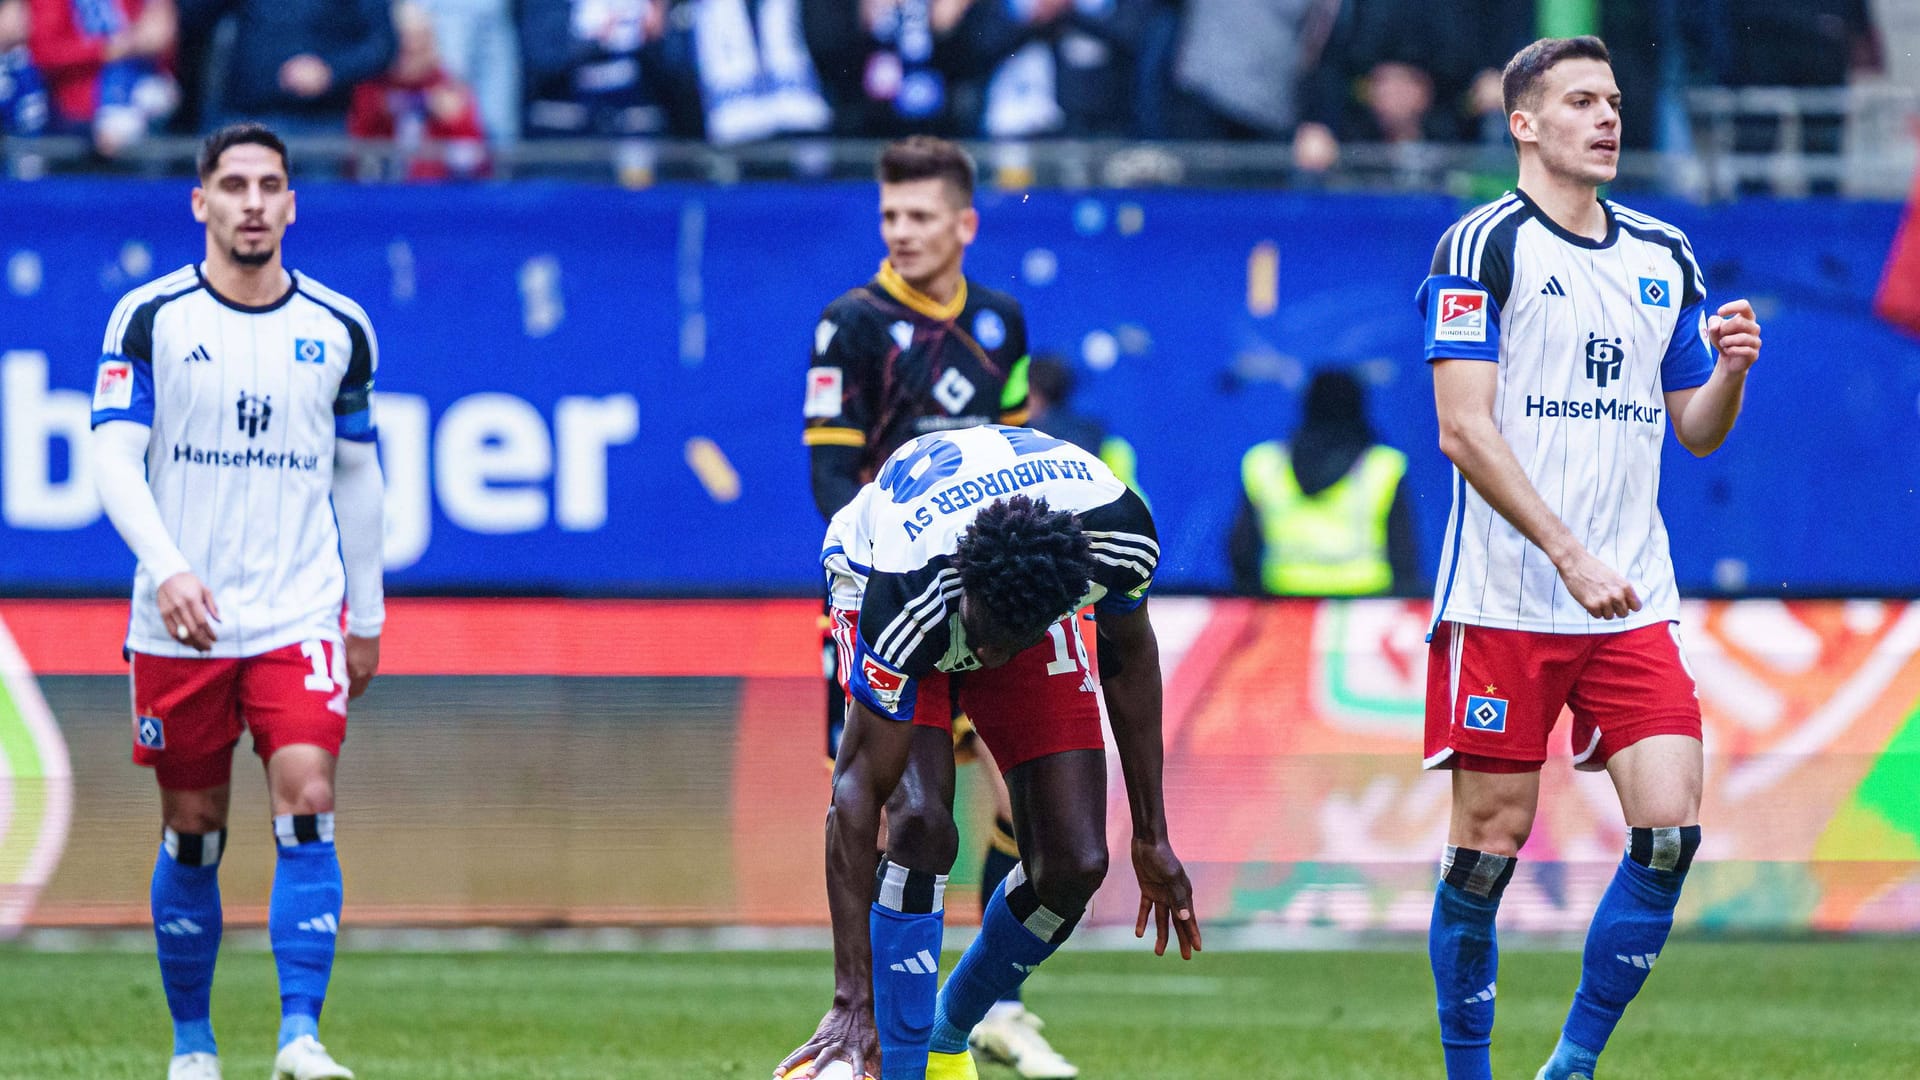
[1026, 564]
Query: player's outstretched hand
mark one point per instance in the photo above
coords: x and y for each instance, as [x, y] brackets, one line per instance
[188, 611]
[1735, 335]
[363, 661]
[1598, 588]
[845, 1034]
[1165, 895]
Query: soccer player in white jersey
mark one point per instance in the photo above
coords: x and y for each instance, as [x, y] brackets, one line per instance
[233, 430]
[954, 580]
[1566, 333]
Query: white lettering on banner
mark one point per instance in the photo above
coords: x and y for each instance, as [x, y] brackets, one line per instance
[585, 429]
[493, 449]
[493, 460]
[493, 453]
[34, 417]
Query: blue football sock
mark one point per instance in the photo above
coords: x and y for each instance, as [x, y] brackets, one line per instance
[904, 928]
[1629, 930]
[1465, 954]
[303, 918]
[1002, 856]
[186, 929]
[1017, 933]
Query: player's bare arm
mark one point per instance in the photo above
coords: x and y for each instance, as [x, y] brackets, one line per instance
[1463, 395]
[1130, 681]
[873, 755]
[1703, 415]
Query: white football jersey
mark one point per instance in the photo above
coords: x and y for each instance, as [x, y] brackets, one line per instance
[245, 405]
[888, 553]
[1589, 335]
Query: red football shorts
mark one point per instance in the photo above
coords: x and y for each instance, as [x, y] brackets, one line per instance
[189, 713]
[1044, 701]
[1493, 696]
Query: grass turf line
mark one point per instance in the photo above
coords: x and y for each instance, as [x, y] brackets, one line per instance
[1809, 1010]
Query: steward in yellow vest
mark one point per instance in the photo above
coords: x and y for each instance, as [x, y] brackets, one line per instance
[1324, 514]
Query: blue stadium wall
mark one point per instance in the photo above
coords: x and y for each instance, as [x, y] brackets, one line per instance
[588, 390]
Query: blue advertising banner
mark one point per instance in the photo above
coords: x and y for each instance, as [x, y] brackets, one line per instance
[589, 390]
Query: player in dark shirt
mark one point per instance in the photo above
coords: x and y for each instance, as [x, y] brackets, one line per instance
[919, 348]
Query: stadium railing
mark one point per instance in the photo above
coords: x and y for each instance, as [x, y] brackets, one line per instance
[1875, 157]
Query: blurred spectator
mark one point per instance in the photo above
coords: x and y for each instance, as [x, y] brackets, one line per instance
[23, 98]
[583, 66]
[897, 67]
[480, 46]
[416, 101]
[1239, 65]
[756, 77]
[1050, 383]
[1074, 75]
[1327, 513]
[294, 63]
[1097, 52]
[106, 65]
[1394, 73]
[1807, 44]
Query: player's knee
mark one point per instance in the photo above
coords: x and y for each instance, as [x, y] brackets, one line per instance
[194, 818]
[192, 812]
[304, 795]
[922, 836]
[1066, 881]
[1493, 827]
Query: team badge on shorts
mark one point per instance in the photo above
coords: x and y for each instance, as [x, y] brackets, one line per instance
[1487, 713]
[149, 732]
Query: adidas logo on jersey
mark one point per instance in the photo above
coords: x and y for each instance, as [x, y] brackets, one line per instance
[322, 924]
[199, 355]
[180, 928]
[1483, 996]
[1643, 961]
[1552, 288]
[921, 963]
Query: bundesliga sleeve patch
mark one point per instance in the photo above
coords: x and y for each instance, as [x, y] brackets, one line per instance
[113, 386]
[885, 682]
[825, 393]
[1461, 315]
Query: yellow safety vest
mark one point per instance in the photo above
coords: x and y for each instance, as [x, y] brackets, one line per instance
[1332, 543]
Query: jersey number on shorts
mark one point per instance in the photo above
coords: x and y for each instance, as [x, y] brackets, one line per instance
[1069, 658]
[319, 679]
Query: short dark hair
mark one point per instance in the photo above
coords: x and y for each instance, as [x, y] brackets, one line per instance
[924, 157]
[1026, 564]
[1520, 82]
[241, 134]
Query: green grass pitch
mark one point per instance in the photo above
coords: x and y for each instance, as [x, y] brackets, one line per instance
[1806, 1010]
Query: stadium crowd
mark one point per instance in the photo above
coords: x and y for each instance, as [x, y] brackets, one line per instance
[475, 74]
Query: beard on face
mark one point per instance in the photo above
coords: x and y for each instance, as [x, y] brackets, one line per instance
[251, 258]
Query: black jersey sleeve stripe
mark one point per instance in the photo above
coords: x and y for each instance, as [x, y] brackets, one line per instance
[130, 329]
[356, 386]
